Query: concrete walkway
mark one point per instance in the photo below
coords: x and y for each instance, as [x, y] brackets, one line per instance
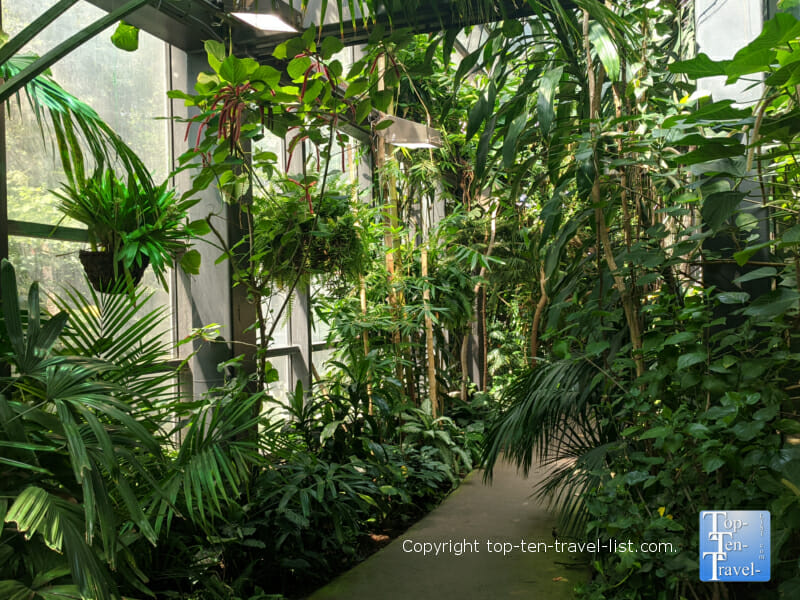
[478, 514]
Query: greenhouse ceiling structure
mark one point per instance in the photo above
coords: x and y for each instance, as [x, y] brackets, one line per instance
[188, 23]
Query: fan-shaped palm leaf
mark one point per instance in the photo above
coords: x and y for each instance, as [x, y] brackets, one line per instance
[552, 416]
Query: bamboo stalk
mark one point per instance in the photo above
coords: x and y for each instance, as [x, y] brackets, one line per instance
[365, 339]
[426, 301]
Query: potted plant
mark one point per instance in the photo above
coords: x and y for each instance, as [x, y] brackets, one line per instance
[130, 226]
[293, 243]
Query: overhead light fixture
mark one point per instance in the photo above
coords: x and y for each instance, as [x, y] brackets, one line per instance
[264, 22]
[408, 134]
[272, 16]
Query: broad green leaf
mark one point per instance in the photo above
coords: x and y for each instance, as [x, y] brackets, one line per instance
[330, 46]
[777, 32]
[597, 348]
[267, 74]
[476, 116]
[788, 75]
[482, 155]
[746, 63]
[791, 236]
[743, 256]
[190, 262]
[363, 109]
[656, 433]
[381, 99]
[606, 49]
[329, 430]
[733, 297]
[746, 431]
[512, 135]
[759, 273]
[126, 37]
[512, 28]
[711, 463]
[700, 66]
[198, 228]
[357, 87]
[237, 70]
[680, 338]
[298, 67]
[719, 207]
[773, 304]
[466, 65]
[545, 102]
[215, 51]
[447, 46]
[687, 360]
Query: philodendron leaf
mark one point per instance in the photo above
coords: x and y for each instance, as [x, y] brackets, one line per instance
[126, 37]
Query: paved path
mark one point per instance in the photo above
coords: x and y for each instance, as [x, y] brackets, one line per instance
[501, 512]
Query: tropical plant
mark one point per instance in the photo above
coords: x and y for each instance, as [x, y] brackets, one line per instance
[102, 460]
[648, 362]
[135, 225]
[75, 446]
[293, 239]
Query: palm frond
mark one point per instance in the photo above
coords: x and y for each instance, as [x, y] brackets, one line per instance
[120, 330]
[60, 523]
[551, 417]
[214, 461]
[76, 127]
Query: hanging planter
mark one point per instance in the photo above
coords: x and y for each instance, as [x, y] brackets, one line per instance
[106, 274]
[294, 244]
[130, 227]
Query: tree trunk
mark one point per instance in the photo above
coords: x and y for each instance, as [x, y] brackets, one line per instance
[626, 294]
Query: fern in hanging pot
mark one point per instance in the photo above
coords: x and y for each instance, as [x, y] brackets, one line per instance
[130, 226]
[292, 243]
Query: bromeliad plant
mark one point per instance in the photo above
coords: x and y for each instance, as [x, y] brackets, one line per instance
[130, 226]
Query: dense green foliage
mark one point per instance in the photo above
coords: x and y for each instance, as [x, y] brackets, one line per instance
[132, 222]
[617, 269]
[666, 242]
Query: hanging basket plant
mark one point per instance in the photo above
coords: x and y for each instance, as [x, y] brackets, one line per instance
[106, 274]
[130, 226]
[293, 243]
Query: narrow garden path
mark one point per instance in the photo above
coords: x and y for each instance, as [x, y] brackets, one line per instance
[479, 514]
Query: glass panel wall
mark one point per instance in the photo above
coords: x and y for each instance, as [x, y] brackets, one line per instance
[128, 91]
